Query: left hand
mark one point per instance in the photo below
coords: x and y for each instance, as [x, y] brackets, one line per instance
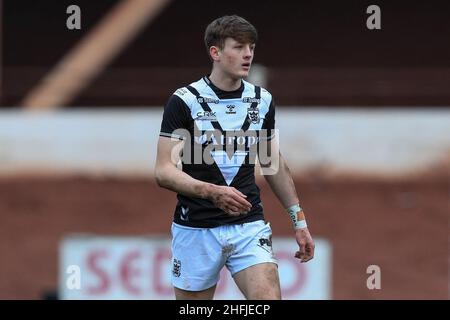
[305, 244]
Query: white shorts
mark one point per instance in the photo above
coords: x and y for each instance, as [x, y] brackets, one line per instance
[199, 254]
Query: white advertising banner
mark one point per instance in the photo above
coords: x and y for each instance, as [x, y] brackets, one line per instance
[92, 267]
[367, 141]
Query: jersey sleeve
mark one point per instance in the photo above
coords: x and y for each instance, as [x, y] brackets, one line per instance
[176, 116]
[269, 122]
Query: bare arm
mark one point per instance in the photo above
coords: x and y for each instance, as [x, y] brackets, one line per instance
[283, 187]
[282, 184]
[169, 176]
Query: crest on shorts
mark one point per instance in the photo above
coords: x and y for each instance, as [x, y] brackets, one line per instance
[176, 270]
[253, 114]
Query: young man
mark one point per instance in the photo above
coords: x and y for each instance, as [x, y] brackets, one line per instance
[214, 125]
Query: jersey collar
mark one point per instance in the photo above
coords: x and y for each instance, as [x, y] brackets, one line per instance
[221, 94]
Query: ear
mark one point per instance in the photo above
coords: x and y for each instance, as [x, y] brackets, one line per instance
[214, 52]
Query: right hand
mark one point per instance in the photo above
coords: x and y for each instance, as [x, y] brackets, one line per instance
[230, 200]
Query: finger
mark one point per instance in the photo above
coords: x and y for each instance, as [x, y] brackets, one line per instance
[238, 206]
[244, 203]
[244, 206]
[233, 213]
[309, 253]
[301, 251]
[238, 192]
[232, 208]
[300, 255]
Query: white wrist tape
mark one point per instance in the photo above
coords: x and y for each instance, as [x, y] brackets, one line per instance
[297, 216]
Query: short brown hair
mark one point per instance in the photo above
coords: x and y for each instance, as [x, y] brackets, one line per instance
[229, 27]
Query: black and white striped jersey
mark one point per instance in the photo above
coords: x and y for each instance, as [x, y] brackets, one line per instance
[220, 129]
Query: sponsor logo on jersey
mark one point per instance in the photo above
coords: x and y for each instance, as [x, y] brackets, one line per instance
[251, 100]
[266, 244]
[207, 100]
[231, 108]
[206, 115]
[218, 139]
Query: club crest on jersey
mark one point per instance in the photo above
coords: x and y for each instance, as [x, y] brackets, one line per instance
[253, 114]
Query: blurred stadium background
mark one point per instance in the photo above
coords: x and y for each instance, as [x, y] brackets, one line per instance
[364, 121]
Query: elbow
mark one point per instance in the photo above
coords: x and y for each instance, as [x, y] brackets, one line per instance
[159, 177]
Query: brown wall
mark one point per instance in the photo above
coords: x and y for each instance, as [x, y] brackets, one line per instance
[317, 52]
[400, 225]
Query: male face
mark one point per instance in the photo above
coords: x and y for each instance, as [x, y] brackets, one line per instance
[235, 58]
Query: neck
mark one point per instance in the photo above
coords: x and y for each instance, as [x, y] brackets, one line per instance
[223, 81]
